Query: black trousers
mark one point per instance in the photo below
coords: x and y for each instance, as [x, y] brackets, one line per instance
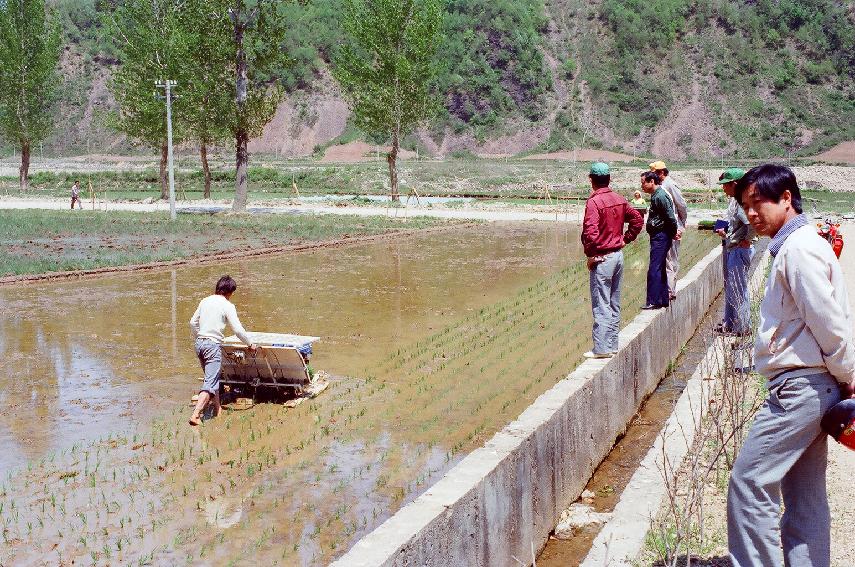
[657, 279]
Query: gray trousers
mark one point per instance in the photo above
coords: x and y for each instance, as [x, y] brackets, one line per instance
[784, 456]
[605, 280]
[672, 266]
[737, 309]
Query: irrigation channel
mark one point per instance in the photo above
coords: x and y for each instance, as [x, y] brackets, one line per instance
[612, 476]
[434, 342]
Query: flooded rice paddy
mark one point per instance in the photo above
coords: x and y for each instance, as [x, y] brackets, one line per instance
[434, 342]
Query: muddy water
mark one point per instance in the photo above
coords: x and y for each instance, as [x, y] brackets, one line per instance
[85, 358]
[434, 342]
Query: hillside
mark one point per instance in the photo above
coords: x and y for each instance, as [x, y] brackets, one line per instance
[672, 78]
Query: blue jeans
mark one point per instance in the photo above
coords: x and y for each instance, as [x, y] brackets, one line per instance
[657, 278]
[605, 280]
[737, 310]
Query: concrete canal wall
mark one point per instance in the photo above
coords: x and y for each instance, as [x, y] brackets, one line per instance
[499, 504]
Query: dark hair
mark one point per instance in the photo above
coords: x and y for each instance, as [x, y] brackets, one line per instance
[600, 181]
[770, 181]
[665, 169]
[721, 176]
[650, 176]
[225, 285]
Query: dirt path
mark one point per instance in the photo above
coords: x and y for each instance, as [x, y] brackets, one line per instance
[476, 210]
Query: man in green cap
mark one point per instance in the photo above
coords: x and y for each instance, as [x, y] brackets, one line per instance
[603, 239]
[738, 251]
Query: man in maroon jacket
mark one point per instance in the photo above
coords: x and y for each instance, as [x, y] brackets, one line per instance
[603, 238]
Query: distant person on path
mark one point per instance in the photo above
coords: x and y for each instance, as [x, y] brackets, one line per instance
[603, 239]
[207, 325]
[737, 254]
[804, 349]
[639, 203]
[75, 195]
[663, 230]
[682, 212]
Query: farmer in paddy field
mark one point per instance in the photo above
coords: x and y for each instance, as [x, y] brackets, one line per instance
[75, 195]
[603, 239]
[207, 325]
[804, 349]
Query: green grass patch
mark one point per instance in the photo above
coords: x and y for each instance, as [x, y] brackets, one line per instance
[39, 241]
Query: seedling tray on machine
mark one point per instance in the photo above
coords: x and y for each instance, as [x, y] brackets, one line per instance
[280, 363]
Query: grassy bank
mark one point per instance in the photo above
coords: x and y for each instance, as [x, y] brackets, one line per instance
[39, 241]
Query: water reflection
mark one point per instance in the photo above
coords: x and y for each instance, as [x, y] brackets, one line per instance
[83, 358]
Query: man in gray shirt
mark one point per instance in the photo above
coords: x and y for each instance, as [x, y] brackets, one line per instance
[672, 262]
[738, 251]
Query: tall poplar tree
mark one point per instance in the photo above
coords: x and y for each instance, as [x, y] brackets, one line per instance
[209, 111]
[29, 52]
[152, 47]
[387, 66]
[258, 31]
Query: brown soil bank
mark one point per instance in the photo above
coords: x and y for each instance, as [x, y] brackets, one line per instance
[844, 152]
[584, 154]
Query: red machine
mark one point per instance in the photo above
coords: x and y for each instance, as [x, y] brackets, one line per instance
[830, 231]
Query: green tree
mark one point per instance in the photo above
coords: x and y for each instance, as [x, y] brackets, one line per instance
[258, 30]
[209, 110]
[386, 68]
[151, 48]
[29, 52]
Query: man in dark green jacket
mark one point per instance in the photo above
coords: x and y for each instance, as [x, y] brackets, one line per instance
[663, 230]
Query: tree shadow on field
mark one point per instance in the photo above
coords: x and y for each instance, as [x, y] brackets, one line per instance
[718, 561]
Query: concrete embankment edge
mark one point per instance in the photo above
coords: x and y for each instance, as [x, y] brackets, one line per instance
[501, 502]
[622, 538]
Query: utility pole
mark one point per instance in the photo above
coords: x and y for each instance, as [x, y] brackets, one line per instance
[167, 86]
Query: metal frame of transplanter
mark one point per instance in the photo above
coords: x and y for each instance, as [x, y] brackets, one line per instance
[281, 362]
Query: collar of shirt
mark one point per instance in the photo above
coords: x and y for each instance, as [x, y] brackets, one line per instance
[785, 231]
[600, 191]
[731, 208]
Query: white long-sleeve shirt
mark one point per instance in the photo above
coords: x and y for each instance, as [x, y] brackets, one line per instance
[805, 326]
[209, 320]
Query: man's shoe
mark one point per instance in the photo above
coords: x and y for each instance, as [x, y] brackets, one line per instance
[653, 306]
[721, 329]
[592, 354]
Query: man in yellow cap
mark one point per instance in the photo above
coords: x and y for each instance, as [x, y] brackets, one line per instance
[672, 262]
